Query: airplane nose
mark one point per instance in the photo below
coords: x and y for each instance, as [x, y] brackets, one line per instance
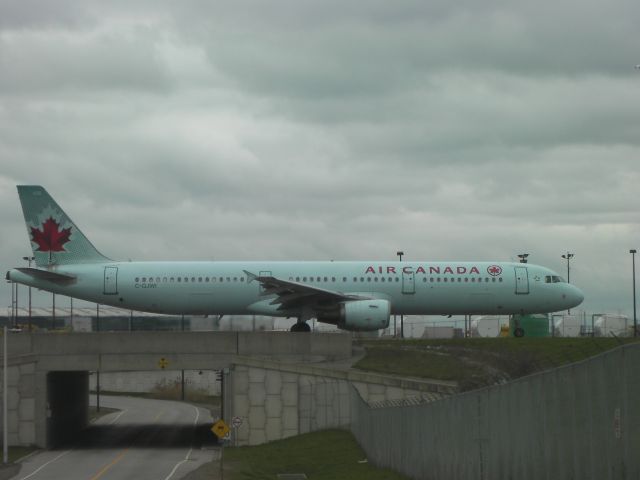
[575, 296]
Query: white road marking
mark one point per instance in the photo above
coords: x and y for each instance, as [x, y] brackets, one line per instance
[186, 459]
[117, 417]
[44, 465]
[114, 420]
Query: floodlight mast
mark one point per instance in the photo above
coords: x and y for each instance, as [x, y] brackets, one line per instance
[633, 252]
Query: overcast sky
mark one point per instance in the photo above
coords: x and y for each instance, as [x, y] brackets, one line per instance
[313, 130]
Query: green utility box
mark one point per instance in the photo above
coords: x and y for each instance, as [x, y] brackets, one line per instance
[534, 325]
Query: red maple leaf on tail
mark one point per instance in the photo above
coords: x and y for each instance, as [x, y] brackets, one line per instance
[50, 238]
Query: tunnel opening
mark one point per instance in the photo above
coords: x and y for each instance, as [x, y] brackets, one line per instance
[147, 409]
[151, 409]
[67, 406]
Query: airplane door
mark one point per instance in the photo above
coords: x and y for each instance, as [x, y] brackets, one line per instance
[110, 280]
[408, 282]
[522, 281]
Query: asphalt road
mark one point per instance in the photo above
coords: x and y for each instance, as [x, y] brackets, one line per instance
[146, 439]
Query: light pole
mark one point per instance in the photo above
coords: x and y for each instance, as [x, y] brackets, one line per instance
[400, 253]
[635, 318]
[13, 301]
[568, 256]
[29, 259]
[15, 316]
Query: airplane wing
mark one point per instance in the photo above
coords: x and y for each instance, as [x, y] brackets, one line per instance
[293, 295]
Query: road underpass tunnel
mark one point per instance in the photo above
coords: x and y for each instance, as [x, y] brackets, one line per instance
[67, 406]
[153, 409]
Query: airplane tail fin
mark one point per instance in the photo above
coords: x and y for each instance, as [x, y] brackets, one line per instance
[55, 239]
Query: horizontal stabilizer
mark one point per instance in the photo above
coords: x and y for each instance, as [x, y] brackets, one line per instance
[47, 275]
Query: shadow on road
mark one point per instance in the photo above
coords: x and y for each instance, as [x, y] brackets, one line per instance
[142, 436]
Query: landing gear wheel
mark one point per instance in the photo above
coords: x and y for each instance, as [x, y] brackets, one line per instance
[518, 332]
[301, 327]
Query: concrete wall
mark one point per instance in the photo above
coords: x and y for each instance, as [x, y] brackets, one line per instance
[202, 381]
[136, 351]
[276, 400]
[21, 401]
[576, 422]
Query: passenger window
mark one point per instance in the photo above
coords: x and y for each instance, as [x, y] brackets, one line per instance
[368, 279]
[326, 279]
[242, 279]
[137, 279]
[235, 279]
[221, 279]
[319, 279]
[375, 279]
[164, 280]
[199, 279]
[206, 279]
[333, 279]
[297, 279]
[179, 279]
[362, 279]
[172, 279]
[144, 279]
[397, 279]
[228, 279]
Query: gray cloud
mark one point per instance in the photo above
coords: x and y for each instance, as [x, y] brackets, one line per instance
[332, 130]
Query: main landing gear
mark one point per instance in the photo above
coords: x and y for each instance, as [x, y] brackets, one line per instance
[301, 327]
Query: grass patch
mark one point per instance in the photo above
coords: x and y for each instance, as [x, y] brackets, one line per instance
[326, 455]
[16, 453]
[477, 362]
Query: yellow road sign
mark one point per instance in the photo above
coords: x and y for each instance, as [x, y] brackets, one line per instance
[163, 363]
[220, 428]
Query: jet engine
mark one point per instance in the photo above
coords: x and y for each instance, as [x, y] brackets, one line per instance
[360, 315]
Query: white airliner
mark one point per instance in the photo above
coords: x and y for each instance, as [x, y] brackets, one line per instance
[352, 295]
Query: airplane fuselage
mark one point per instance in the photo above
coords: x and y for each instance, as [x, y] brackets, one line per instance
[220, 288]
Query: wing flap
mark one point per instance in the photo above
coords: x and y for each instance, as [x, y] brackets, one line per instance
[294, 295]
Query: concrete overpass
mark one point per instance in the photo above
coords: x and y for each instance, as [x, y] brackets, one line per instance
[48, 372]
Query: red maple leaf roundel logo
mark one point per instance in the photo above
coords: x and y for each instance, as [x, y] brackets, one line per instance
[494, 270]
[50, 238]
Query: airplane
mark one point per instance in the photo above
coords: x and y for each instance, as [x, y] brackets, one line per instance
[353, 295]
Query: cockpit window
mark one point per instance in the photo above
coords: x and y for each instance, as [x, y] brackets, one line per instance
[553, 279]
